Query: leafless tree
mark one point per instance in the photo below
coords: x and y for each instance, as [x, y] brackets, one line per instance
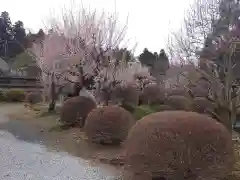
[208, 42]
[223, 89]
[198, 23]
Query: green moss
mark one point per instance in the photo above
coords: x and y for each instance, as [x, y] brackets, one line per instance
[142, 111]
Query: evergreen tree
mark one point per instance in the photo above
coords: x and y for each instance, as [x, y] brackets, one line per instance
[147, 58]
[13, 39]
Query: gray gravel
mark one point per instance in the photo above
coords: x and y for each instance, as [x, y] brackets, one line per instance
[25, 161]
[20, 160]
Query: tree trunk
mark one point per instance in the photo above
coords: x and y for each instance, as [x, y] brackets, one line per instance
[77, 89]
[52, 104]
[226, 120]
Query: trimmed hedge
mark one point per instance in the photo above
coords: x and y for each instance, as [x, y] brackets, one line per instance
[152, 94]
[108, 125]
[14, 96]
[75, 110]
[178, 145]
[128, 94]
[179, 103]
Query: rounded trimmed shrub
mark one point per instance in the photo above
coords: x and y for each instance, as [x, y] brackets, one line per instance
[14, 96]
[179, 103]
[108, 125]
[178, 145]
[199, 91]
[152, 94]
[127, 94]
[34, 97]
[177, 92]
[75, 110]
[201, 105]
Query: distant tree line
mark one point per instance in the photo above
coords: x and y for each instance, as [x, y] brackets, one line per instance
[155, 62]
[13, 37]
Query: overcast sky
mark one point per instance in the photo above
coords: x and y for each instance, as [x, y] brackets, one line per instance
[149, 20]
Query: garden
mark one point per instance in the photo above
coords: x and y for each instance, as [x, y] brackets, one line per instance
[168, 115]
[151, 132]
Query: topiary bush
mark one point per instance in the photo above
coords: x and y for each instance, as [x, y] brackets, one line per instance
[108, 125]
[152, 94]
[178, 145]
[177, 92]
[201, 88]
[179, 102]
[75, 110]
[34, 97]
[128, 94]
[199, 91]
[203, 105]
[14, 96]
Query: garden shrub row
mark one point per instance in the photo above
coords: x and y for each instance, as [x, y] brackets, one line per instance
[20, 96]
[161, 145]
[12, 96]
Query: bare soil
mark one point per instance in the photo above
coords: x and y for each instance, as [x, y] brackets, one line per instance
[37, 126]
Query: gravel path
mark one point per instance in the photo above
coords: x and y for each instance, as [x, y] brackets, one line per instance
[20, 160]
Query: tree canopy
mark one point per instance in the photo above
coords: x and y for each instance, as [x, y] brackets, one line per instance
[13, 39]
[156, 62]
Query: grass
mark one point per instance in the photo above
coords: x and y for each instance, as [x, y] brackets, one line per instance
[142, 111]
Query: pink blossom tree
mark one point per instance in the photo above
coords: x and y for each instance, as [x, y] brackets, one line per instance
[55, 68]
[117, 74]
[79, 49]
